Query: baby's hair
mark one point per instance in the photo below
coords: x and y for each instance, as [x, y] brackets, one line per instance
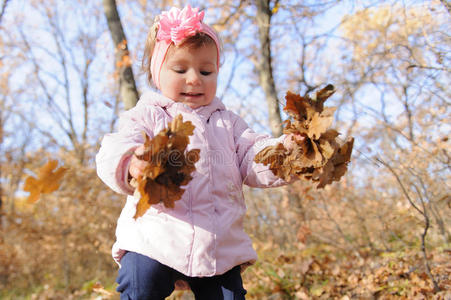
[196, 41]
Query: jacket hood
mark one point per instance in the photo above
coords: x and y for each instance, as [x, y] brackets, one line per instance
[157, 99]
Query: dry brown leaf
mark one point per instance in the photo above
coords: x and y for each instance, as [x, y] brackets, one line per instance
[47, 181]
[274, 156]
[319, 157]
[321, 122]
[169, 166]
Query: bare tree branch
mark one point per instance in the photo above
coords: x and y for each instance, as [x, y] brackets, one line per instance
[423, 212]
[2, 12]
[423, 237]
[447, 5]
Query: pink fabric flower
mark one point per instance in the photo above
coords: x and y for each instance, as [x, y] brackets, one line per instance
[176, 25]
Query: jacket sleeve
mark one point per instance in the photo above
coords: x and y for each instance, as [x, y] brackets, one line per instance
[248, 144]
[117, 148]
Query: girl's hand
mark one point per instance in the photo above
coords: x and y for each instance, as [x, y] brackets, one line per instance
[137, 165]
[290, 141]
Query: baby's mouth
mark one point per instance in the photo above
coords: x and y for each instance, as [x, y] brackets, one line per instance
[192, 94]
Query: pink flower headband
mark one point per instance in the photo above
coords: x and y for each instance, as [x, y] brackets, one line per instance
[174, 27]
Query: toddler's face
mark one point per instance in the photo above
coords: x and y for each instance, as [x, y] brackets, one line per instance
[189, 75]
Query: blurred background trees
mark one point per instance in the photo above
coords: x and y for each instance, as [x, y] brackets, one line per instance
[60, 92]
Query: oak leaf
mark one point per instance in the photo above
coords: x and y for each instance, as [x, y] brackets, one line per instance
[47, 181]
[319, 155]
[169, 166]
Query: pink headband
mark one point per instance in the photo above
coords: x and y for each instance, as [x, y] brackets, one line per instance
[175, 26]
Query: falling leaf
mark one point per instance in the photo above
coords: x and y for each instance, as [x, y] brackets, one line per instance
[47, 181]
[319, 155]
[169, 166]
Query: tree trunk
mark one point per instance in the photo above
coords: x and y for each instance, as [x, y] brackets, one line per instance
[264, 66]
[1, 188]
[127, 84]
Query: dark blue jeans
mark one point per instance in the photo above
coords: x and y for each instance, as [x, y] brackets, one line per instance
[142, 278]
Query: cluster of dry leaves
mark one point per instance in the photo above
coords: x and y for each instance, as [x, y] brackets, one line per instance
[319, 155]
[169, 166]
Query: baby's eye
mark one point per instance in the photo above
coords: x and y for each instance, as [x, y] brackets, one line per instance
[180, 71]
[205, 73]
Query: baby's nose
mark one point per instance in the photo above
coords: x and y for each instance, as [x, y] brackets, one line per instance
[193, 77]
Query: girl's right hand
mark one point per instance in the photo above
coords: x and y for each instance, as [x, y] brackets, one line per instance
[137, 165]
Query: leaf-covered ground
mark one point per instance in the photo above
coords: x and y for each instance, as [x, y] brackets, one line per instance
[323, 275]
[315, 274]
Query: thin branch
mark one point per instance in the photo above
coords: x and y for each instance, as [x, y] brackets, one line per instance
[229, 17]
[58, 113]
[447, 5]
[56, 33]
[371, 111]
[337, 225]
[423, 213]
[235, 63]
[411, 66]
[2, 12]
[423, 239]
[406, 194]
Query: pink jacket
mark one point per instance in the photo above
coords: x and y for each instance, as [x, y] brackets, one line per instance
[203, 235]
